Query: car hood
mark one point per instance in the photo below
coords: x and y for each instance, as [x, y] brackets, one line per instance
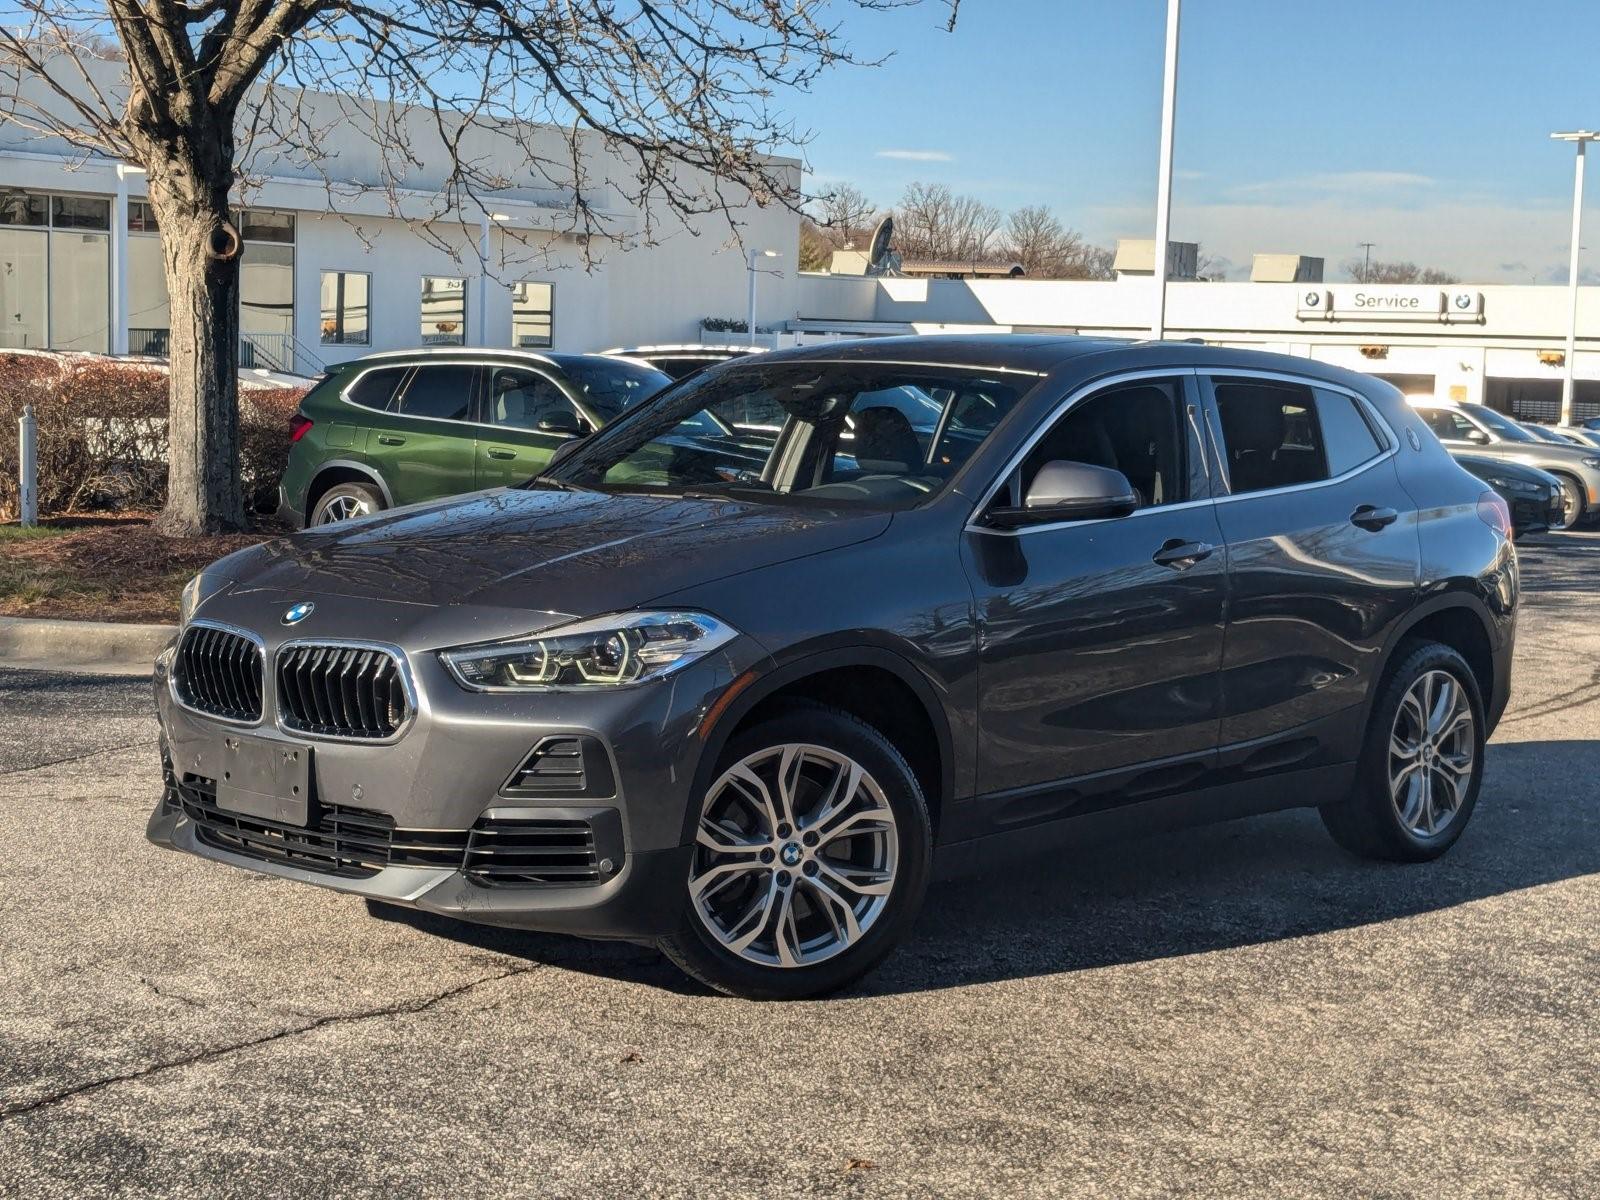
[1541, 454]
[534, 557]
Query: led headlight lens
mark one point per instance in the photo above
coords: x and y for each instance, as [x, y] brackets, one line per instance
[1593, 463]
[606, 652]
[196, 592]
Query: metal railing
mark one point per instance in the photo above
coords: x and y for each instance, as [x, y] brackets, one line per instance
[257, 351]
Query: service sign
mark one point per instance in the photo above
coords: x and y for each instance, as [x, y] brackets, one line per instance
[1364, 302]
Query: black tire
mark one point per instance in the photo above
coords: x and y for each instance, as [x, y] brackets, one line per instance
[361, 495]
[693, 948]
[1369, 823]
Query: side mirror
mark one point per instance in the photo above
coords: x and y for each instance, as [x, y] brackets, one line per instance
[564, 451]
[1070, 491]
[561, 422]
[1477, 437]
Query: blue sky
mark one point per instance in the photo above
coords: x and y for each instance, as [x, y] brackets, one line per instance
[1421, 125]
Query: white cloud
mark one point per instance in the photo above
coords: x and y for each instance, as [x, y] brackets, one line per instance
[1337, 183]
[926, 156]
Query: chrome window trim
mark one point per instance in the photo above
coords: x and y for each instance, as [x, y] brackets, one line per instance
[1309, 381]
[261, 656]
[408, 684]
[974, 524]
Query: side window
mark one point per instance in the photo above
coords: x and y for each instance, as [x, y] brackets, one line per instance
[1134, 428]
[1347, 438]
[442, 391]
[1270, 433]
[376, 389]
[520, 399]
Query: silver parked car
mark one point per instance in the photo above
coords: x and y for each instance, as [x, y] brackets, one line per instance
[1495, 435]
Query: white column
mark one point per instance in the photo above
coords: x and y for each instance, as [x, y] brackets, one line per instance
[1567, 384]
[481, 317]
[119, 264]
[1169, 104]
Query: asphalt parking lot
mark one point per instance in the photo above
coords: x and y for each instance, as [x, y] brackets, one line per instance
[1239, 1009]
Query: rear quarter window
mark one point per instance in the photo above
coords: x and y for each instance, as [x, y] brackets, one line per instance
[1347, 438]
[376, 389]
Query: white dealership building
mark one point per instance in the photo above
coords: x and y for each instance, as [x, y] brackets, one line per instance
[337, 264]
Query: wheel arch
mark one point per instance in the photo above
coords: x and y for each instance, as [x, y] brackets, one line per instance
[874, 685]
[343, 470]
[1454, 620]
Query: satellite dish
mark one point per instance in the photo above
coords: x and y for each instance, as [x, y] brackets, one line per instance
[881, 258]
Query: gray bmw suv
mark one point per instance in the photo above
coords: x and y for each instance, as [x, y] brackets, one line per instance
[743, 668]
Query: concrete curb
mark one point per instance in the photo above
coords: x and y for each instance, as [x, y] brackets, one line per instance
[100, 647]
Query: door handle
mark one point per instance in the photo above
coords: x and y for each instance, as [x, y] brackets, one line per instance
[1371, 517]
[389, 439]
[501, 452]
[1181, 555]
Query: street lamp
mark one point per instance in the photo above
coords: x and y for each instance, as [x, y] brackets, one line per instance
[1582, 137]
[750, 260]
[1169, 104]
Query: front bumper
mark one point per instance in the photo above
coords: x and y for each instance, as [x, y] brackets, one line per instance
[452, 773]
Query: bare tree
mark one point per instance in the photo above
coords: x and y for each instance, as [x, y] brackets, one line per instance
[1035, 237]
[192, 90]
[839, 217]
[1378, 271]
[934, 223]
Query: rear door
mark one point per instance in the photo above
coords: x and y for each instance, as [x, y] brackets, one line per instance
[526, 416]
[1323, 558]
[424, 444]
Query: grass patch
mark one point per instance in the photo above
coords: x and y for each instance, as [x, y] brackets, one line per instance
[105, 569]
[20, 533]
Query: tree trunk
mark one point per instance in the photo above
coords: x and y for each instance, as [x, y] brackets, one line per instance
[200, 250]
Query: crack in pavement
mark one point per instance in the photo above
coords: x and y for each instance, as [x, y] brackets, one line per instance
[407, 1009]
[56, 762]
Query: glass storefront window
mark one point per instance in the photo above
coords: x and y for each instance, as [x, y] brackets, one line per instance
[80, 291]
[21, 208]
[141, 217]
[259, 225]
[531, 314]
[80, 212]
[444, 311]
[344, 307]
[23, 296]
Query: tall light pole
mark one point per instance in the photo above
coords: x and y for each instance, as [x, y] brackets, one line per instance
[1582, 137]
[1169, 107]
[750, 262]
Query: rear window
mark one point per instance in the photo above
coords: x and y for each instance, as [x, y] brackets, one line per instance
[442, 392]
[375, 389]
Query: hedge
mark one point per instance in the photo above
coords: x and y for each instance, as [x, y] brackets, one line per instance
[103, 433]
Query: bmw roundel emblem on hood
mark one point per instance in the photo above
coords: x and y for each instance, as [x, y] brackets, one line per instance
[298, 612]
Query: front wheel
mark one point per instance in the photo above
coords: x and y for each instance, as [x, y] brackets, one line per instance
[1572, 503]
[1422, 765]
[811, 858]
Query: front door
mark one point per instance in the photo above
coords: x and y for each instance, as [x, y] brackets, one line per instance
[1323, 555]
[1101, 640]
[526, 417]
[424, 444]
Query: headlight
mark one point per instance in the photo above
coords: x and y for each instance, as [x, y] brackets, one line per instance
[606, 652]
[1512, 485]
[1592, 462]
[189, 601]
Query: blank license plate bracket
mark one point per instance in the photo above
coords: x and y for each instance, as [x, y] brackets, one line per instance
[258, 777]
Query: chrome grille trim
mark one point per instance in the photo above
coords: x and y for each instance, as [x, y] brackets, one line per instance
[218, 673]
[343, 690]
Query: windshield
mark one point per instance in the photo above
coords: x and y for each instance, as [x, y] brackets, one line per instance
[610, 386]
[1503, 425]
[841, 434]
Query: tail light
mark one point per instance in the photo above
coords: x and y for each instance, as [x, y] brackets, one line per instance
[1493, 512]
[298, 424]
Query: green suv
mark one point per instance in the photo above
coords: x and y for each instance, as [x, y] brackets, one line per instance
[414, 425]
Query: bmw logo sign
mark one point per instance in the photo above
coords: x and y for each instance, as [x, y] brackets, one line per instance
[298, 612]
[1463, 299]
[1313, 299]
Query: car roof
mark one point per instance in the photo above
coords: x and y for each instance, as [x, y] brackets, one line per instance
[1040, 353]
[558, 359]
[686, 349]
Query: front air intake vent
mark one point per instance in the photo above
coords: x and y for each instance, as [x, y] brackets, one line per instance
[342, 691]
[563, 765]
[218, 672]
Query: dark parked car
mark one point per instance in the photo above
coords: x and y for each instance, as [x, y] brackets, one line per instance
[742, 668]
[1534, 496]
[414, 425]
[681, 361]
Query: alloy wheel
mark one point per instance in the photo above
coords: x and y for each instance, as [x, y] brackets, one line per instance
[1569, 505]
[1432, 753]
[343, 508]
[796, 854]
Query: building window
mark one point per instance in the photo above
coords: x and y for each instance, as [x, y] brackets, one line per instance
[79, 212]
[345, 316]
[259, 225]
[532, 307]
[23, 294]
[444, 311]
[22, 208]
[141, 217]
[80, 295]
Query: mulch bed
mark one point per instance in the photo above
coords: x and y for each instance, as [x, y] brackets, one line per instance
[105, 568]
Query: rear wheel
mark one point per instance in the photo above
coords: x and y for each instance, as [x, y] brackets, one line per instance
[1422, 764]
[1572, 505]
[812, 852]
[345, 501]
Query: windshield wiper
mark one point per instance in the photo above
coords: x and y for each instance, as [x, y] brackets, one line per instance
[729, 491]
[559, 485]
